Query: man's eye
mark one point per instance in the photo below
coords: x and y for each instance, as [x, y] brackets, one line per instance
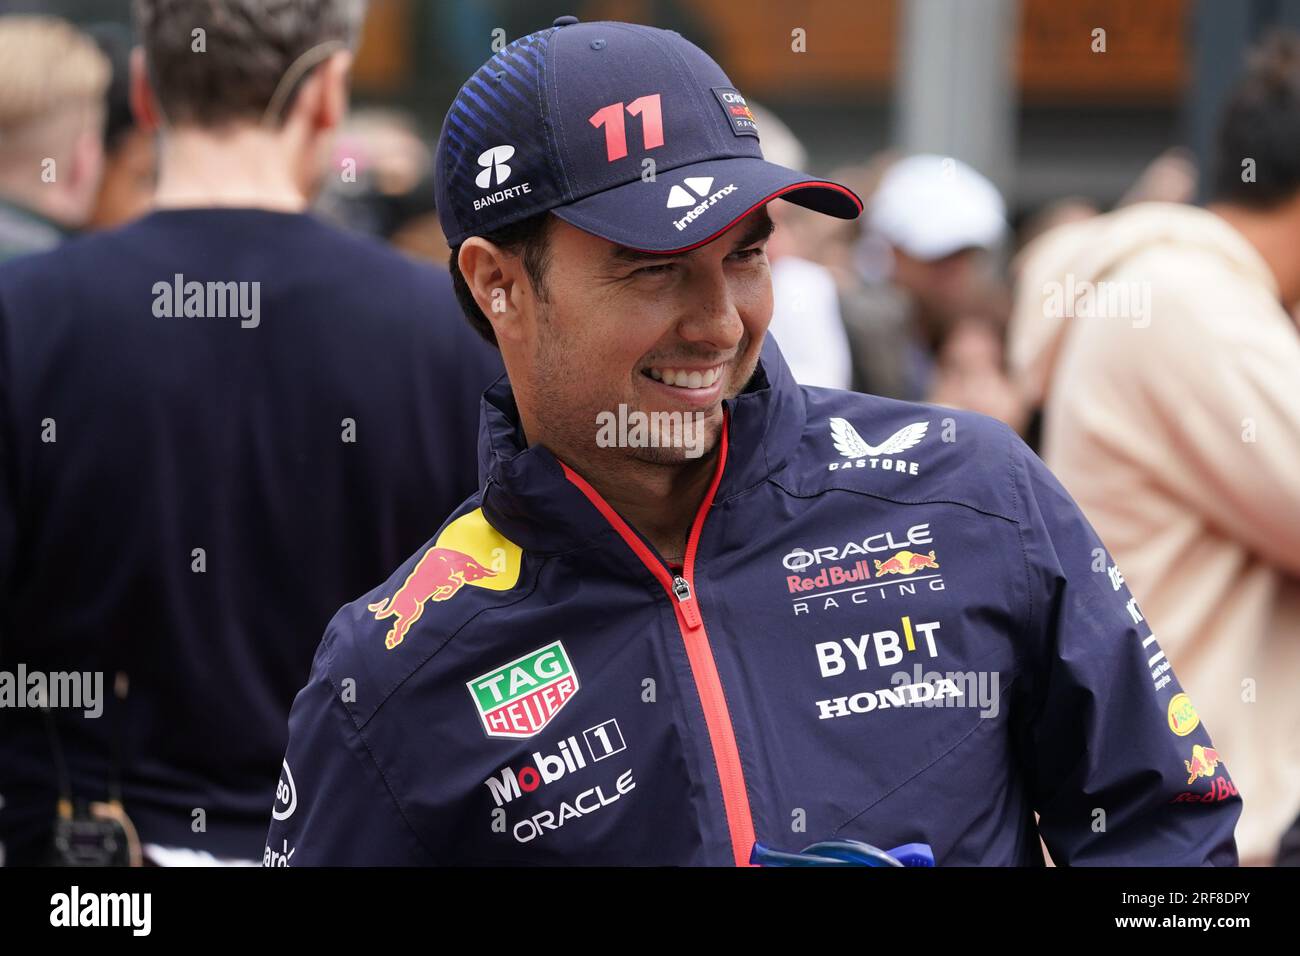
[656, 270]
[746, 255]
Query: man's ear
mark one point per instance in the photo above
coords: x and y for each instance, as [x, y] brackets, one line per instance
[496, 280]
[87, 170]
[336, 75]
[144, 105]
[322, 102]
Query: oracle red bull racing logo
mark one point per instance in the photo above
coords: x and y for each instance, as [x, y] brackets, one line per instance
[469, 551]
[823, 577]
[520, 698]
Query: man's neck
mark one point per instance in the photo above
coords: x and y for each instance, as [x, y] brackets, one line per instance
[245, 167]
[660, 501]
[1272, 233]
[41, 202]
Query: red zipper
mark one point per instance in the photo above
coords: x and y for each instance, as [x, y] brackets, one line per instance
[681, 589]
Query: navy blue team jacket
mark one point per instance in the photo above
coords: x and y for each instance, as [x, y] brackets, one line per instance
[892, 625]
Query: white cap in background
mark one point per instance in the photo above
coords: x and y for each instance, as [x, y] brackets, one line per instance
[932, 206]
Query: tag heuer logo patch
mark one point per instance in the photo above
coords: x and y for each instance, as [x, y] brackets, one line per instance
[520, 698]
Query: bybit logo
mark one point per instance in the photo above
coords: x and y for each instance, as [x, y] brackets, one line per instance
[889, 647]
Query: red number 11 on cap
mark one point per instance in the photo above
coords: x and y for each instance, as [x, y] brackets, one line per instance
[611, 117]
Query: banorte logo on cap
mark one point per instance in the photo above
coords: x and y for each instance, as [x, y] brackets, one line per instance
[495, 170]
[469, 551]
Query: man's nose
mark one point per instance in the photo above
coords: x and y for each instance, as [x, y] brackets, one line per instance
[712, 317]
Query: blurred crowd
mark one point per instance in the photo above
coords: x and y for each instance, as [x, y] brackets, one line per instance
[1148, 351]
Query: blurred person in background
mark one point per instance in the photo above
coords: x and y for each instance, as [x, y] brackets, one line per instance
[1059, 212]
[876, 313]
[806, 321]
[1160, 339]
[130, 154]
[1170, 177]
[944, 223]
[52, 84]
[971, 373]
[1030, 270]
[221, 421]
[391, 195]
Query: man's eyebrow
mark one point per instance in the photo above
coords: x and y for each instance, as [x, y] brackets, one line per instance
[758, 230]
[624, 254]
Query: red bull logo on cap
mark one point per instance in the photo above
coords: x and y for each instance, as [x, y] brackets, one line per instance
[469, 551]
[906, 562]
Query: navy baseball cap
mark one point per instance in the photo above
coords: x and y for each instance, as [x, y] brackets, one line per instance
[628, 132]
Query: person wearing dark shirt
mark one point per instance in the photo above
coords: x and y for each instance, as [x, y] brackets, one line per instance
[217, 424]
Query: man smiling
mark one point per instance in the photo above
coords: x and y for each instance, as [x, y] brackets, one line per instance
[610, 326]
[636, 655]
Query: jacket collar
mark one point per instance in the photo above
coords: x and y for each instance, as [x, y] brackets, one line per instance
[526, 496]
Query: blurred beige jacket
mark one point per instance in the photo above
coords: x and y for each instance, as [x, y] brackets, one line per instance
[1176, 427]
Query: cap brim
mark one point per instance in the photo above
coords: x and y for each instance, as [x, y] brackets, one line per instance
[694, 204]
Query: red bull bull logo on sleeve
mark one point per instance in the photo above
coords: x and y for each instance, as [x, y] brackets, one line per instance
[469, 551]
[520, 698]
[1204, 762]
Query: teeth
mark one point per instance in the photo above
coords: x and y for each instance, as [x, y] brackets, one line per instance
[683, 378]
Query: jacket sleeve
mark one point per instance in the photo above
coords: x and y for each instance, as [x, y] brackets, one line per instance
[1120, 769]
[333, 805]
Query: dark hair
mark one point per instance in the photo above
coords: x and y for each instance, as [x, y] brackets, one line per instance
[527, 238]
[1262, 122]
[250, 45]
[114, 41]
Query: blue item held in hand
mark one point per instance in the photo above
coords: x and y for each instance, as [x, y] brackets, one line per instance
[844, 853]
